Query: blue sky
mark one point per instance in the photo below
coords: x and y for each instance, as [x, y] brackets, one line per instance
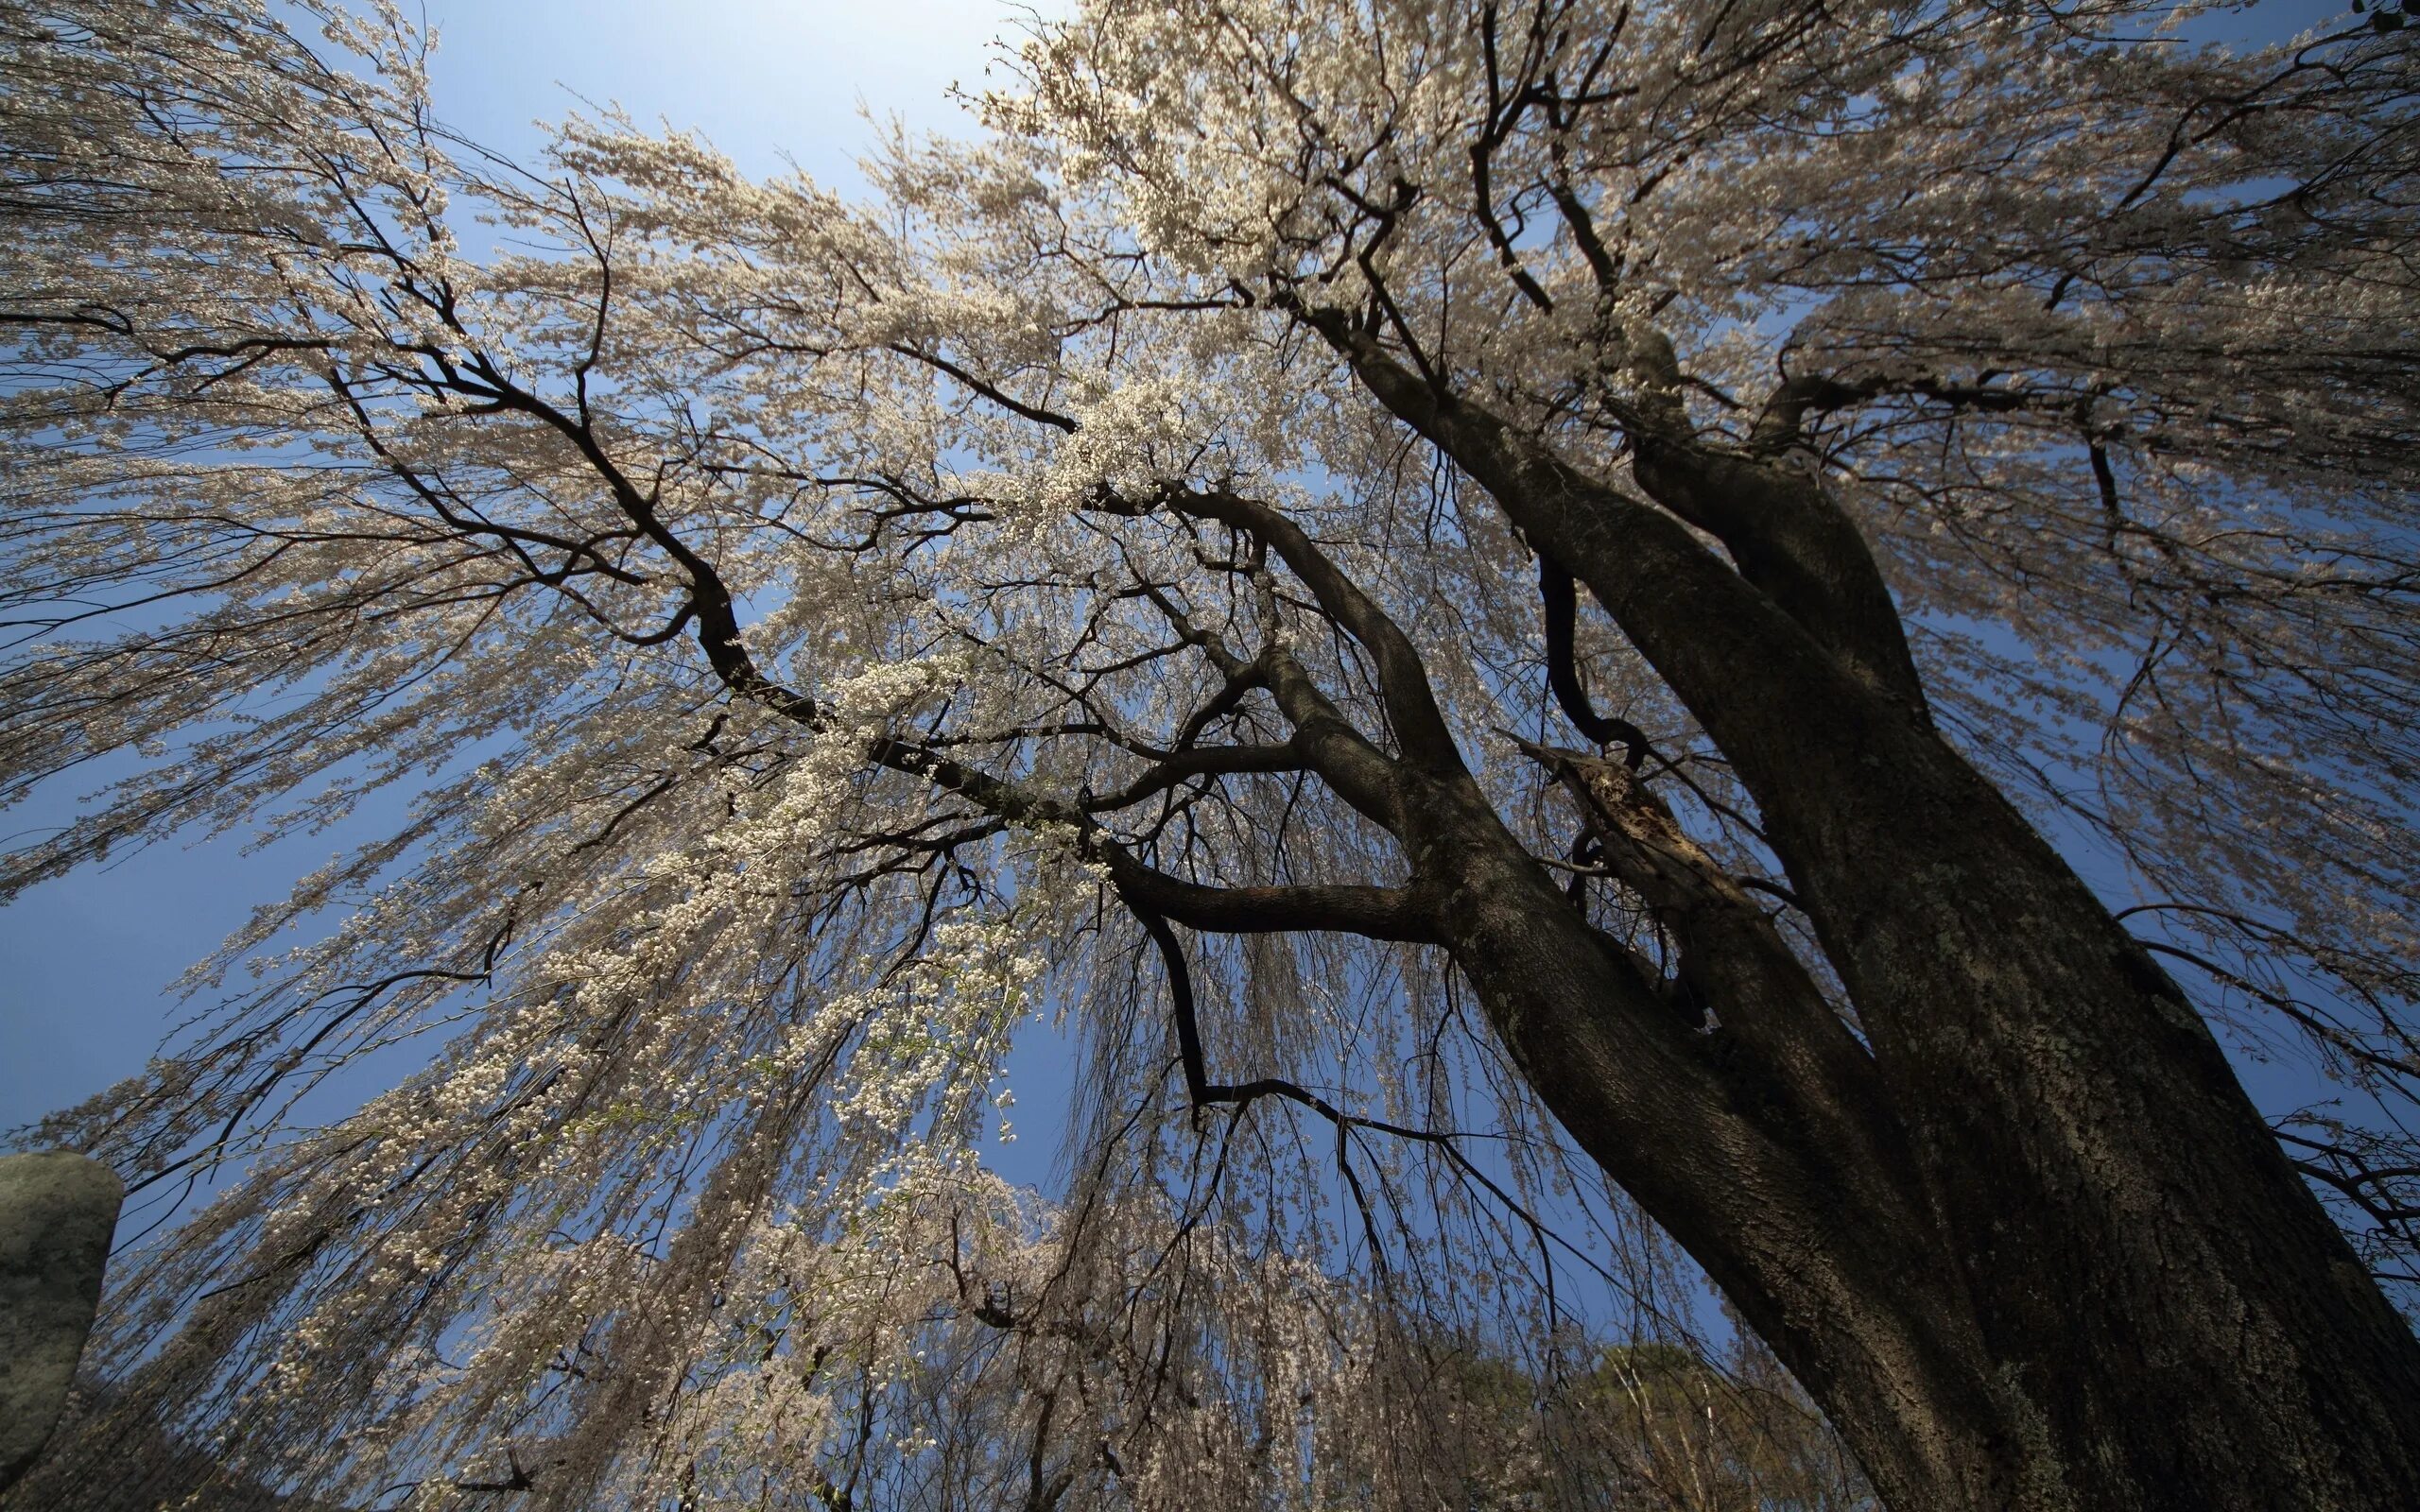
[766, 80]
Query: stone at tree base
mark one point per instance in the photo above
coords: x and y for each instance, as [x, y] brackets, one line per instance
[57, 1210]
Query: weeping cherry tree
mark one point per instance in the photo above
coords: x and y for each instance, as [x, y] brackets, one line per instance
[1567, 647]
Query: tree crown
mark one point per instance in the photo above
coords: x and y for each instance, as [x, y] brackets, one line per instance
[829, 638]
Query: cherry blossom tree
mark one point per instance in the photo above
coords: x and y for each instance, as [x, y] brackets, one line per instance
[1128, 575]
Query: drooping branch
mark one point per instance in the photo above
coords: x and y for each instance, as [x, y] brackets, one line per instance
[1559, 598]
[1403, 681]
[1324, 739]
[1373, 913]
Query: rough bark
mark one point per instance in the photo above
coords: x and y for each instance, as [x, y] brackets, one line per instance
[1757, 1148]
[2030, 1244]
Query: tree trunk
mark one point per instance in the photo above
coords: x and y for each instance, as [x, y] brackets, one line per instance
[1999, 1303]
[2030, 1244]
[1794, 1193]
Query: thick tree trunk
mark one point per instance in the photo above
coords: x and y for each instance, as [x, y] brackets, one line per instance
[2174, 1316]
[2002, 1301]
[1794, 1192]
[2030, 1244]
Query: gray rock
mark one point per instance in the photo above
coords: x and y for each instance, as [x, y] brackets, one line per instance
[57, 1214]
